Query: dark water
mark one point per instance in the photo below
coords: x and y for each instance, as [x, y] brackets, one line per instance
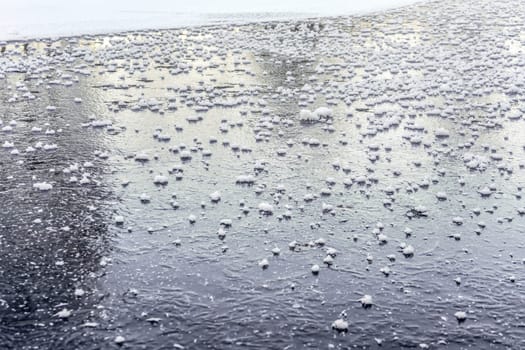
[161, 282]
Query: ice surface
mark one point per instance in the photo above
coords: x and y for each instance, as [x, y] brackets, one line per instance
[396, 218]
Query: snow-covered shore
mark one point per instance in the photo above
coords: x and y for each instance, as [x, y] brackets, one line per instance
[30, 19]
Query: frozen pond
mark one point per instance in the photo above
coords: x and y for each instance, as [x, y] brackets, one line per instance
[323, 184]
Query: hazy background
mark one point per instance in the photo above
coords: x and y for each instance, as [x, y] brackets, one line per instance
[38, 18]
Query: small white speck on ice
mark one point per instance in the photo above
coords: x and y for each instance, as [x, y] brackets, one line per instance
[408, 251]
[142, 157]
[266, 208]
[119, 220]
[264, 263]
[442, 133]
[332, 252]
[215, 196]
[119, 340]
[328, 260]
[340, 325]
[79, 292]
[385, 270]
[245, 180]
[485, 192]
[42, 186]
[366, 301]
[461, 316]
[457, 220]
[441, 196]
[64, 313]
[144, 198]
[90, 324]
[160, 180]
